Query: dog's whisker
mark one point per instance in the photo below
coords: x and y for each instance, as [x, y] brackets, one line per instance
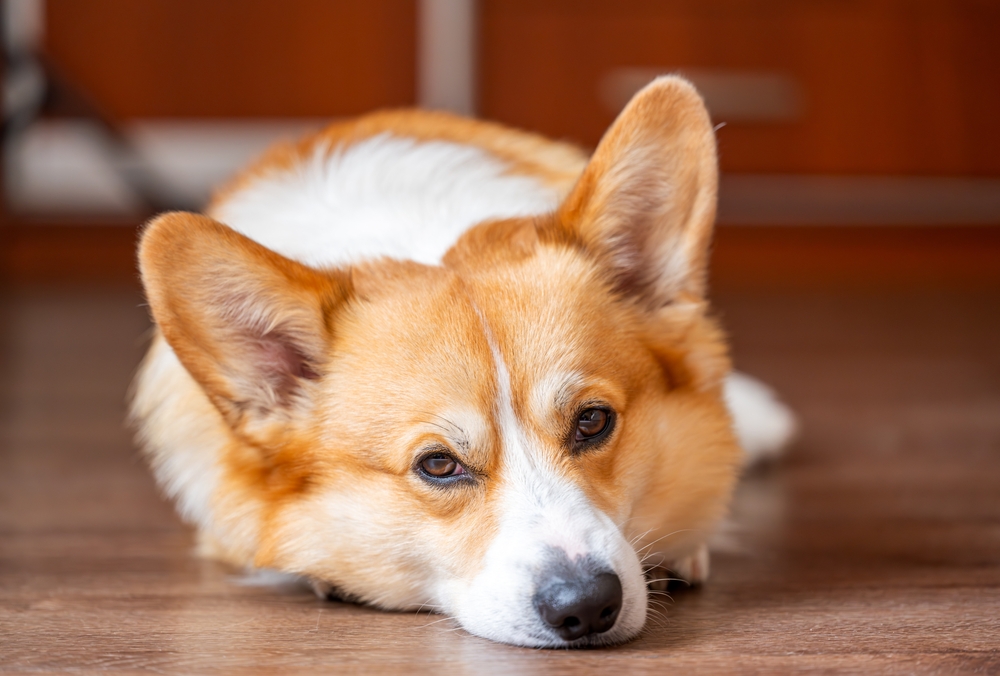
[680, 530]
[639, 537]
[438, 621]
[656, 614]
[650, 555]
[659, 601]
[431, 607]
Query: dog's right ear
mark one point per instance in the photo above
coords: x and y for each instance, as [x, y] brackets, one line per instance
[645, 203]
[252, 327]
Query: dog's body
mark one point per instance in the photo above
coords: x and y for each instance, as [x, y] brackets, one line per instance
[494, 383]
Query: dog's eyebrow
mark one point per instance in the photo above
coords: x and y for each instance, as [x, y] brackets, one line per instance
[442, 423]
[465, 431]
[455, 435]
[555, 391]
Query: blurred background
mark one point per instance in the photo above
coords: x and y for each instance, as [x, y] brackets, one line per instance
[869, 113]
[856, 268]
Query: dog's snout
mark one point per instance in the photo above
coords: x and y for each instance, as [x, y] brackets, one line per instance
[580, 605]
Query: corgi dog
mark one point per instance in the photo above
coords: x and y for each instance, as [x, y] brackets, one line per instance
[428, 362]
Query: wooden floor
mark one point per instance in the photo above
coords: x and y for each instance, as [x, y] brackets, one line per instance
[875, 547]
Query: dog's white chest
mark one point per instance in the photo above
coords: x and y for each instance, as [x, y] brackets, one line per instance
[384, 196]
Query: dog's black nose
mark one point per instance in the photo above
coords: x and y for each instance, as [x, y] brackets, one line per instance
[580, 605]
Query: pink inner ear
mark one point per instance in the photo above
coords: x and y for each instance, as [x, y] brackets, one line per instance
[280, 363]
[279, 355]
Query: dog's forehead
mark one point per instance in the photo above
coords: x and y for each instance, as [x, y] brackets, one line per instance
[416, 347]
[558, 327]
[411, 356]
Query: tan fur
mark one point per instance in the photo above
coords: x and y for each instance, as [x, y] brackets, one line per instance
[392, 358]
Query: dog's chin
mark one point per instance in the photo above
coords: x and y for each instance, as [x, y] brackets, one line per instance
[618, 635]
[605, 640]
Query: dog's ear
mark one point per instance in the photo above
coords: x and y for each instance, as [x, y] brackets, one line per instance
[645, 204]
[251, 326]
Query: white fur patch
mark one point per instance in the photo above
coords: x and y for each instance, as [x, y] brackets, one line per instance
[553, 391]
[383, 196]
[180, 440]
[184, 436]
[764, 425]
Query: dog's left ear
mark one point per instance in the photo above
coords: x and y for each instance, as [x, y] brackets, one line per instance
[645, 204]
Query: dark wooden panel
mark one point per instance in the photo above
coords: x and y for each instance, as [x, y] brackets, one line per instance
[49, 253]
[888, 86]
[859, 258]
[222, 58]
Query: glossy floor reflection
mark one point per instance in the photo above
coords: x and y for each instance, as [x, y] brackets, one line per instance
[875, 546]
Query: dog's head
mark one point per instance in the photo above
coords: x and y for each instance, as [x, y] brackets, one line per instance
[493, 437]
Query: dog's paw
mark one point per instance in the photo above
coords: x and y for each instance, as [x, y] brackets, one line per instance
[692, 570]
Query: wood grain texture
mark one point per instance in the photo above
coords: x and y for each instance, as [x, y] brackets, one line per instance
[874, 547]
[236, 58]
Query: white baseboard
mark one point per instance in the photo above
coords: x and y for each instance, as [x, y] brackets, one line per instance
[68, 167]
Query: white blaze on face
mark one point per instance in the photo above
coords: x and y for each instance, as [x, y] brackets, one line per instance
[541, 514]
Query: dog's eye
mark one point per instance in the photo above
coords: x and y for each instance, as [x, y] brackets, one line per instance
[593, 422]
[441, 465]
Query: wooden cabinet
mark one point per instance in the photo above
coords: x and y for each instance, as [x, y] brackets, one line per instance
[870, 86]
[236, 58]
[803, 86]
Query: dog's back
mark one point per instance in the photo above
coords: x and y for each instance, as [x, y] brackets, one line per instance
[403, 184]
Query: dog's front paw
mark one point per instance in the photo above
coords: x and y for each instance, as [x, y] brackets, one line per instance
[691, 569]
